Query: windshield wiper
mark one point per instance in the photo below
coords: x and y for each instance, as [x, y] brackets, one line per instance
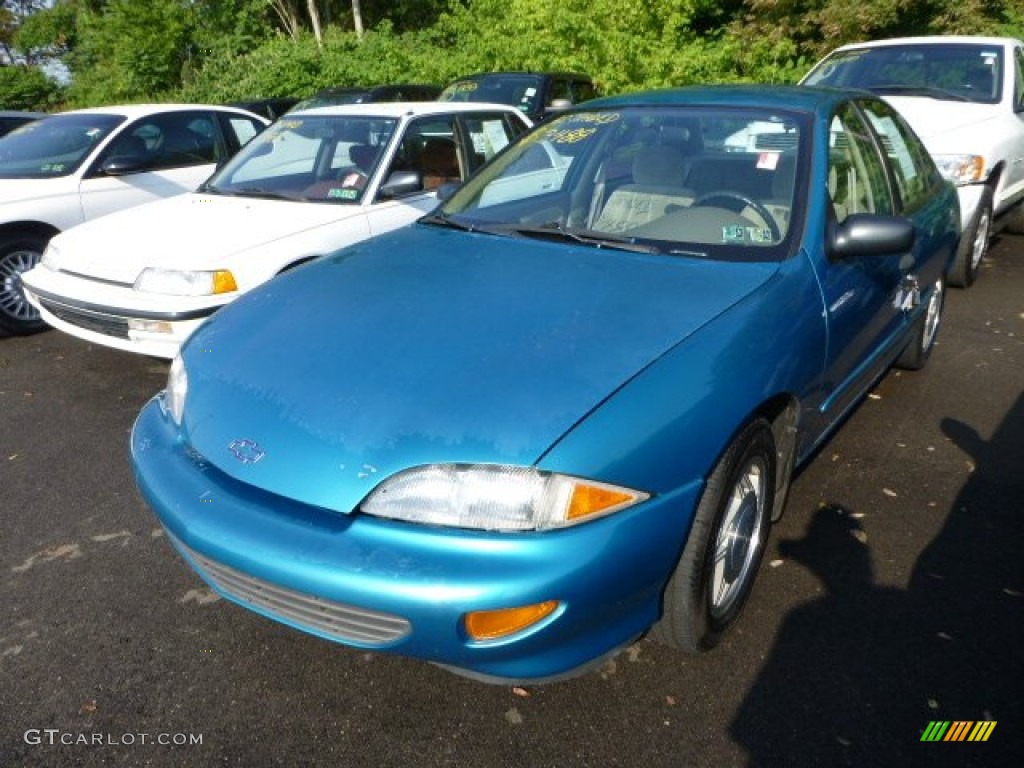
[259, 192]
[443, 220]
[556, 231]
[919, 90]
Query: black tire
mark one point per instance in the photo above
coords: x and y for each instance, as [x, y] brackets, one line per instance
[710, 585]
[926, 328]
[18, 254]
[1015, 220]
[973, 244]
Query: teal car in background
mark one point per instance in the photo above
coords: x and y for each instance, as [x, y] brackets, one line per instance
[564, 409]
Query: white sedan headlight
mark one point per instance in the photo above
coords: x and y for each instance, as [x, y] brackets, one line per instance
[177, 388]
[495, 497]
[961, 169]
[182, 282]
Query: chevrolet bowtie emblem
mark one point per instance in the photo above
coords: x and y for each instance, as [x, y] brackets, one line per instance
[246, 451]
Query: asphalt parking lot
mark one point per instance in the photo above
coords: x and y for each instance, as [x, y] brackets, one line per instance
[892, 595]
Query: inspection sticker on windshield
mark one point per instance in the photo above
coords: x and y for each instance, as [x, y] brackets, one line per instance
[733, 233]
[768, 161]
[343, 194]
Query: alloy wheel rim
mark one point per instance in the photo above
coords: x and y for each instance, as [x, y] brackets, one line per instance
[980, 241]
[13, 302]
[739, 540]
[932, 317]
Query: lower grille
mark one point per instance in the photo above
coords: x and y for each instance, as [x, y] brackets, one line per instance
[108, 325]
[346, 623]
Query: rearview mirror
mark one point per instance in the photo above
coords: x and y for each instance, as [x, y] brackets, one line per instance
[122, 165]
[401, 183]
[869, 234]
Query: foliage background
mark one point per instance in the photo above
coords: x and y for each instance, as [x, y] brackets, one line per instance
[115, 51]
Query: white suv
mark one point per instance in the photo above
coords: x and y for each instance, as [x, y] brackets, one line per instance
[964, 96]
[70, 167]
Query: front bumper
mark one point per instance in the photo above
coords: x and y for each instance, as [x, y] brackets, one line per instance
[116, 316]
[405, 588]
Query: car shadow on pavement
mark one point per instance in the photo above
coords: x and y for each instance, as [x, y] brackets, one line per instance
[856, 676]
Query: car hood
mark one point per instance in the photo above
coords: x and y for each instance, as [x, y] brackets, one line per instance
[427, 346]
[190, 231]
[946, 126]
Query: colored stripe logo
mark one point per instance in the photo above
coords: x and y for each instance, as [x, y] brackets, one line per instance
[958, 730]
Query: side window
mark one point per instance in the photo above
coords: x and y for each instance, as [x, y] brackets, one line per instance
[429, 147]
[239, 130]
[486, 135]
[856, 177]
[171, 140]
[1019, 86]
[916, 175]
[560, 91]
[583, 90]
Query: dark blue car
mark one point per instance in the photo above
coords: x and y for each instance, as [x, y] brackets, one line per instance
[564, 409]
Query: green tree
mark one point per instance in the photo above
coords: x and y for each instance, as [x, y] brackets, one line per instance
[27, 87]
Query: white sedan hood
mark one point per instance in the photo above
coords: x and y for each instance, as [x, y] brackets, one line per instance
[946, 127]
[191, 231]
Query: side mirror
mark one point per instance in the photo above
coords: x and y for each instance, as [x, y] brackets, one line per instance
[121, 165]
[558, 105]
[445, 191]
[869, 234]
[401, 183]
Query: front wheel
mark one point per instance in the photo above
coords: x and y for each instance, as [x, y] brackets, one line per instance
[716, 571]
[18, 254]
[973, 244]
[1015, 220]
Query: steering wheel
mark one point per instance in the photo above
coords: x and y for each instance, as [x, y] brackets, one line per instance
[738, 197]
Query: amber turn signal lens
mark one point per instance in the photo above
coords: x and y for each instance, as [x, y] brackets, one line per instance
[595, 499]
[491, 625]
[224, 281]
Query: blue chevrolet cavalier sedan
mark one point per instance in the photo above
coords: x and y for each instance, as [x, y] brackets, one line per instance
[564, 409]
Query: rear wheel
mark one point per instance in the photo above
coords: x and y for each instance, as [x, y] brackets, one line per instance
[973, 244]
[18, 254]
[714, 576]
[916, 355]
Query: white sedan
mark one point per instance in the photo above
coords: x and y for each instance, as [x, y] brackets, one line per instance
[71, 167]
[315, 181]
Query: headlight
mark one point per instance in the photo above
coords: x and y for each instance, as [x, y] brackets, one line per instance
[495, 497]
[961, 169]
[185, 282]
[51, 258]
[177, 388]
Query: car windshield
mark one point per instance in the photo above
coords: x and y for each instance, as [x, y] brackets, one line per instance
[333, 98]
[954, 72]
[322, 158]
[652, 179]
[53, 146]
[522, 91]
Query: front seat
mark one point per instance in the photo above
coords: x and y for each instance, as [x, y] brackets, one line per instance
[657, 189]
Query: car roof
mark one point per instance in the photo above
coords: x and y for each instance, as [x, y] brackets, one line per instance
[373, 89]
[21, 113]
[400, 108]
[142, 110]
[931, 40]
[520, 72]
[802, 98]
